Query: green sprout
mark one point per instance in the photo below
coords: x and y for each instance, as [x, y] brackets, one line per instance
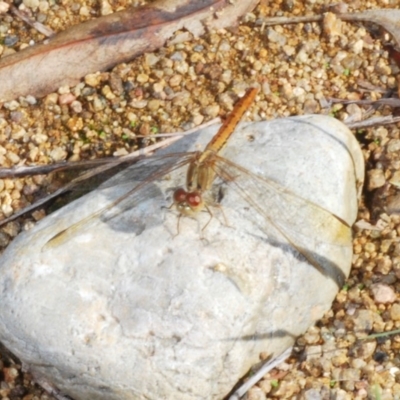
[334, 110]
[346, 72]
[274, 383]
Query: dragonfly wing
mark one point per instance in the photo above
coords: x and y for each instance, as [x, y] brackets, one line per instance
[289, 218]
[134, 183]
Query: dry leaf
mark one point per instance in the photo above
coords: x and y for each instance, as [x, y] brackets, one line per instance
[100, 44]
[389, 19]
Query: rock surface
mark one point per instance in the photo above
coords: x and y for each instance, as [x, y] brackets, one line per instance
[133, 304]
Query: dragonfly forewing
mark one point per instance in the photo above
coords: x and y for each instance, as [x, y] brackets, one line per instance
[295, 221]
[134, 182]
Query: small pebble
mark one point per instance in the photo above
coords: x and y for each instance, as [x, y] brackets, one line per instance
[138, 104]
[76, 106]
[395, 312]
[255, 393]
[116, 84]
[211, 111]
[177, 56]
[383, 293]
[105, 7]
[332, 25]
[12, 229]
[98, 104]
[276, 37]
[64, 89]
[120, 152]
[224, 46]
[17, 116]
[66, 98]
[14, 158]
[393, 145]
[4, 7]
[154, 104]
[11, 105]
[30, 100]
[364, 321]
[107, 92]
[352, 62]
[10, 374]
[58, 154]
[142, 78]
[10, 40]
[151, 59]
[376, 179]
[93, 79]
[51, 98]
[175, 80]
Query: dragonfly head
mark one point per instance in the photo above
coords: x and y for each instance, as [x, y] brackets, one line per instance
[188, 203]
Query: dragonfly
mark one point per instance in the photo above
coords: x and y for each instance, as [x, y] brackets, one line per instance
[203, 169]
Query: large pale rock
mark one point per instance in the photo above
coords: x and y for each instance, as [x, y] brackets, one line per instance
[133, 307]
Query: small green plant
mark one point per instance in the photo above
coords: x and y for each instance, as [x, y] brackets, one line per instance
[334, 111]
[345, 287]
[274, 383]
[132, 124]
[346, 72]
[154, 129]
[332, 383]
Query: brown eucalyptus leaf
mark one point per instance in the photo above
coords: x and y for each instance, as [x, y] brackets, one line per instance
[389, 19]
[102, 43]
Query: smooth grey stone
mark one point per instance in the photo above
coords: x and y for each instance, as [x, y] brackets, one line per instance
[128, 305]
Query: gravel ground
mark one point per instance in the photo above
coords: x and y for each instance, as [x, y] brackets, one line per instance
[298, 68]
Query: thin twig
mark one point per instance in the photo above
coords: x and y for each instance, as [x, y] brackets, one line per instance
[260, 373]
[392, 102]
[45, 30]
[375, 121]
[288, 20]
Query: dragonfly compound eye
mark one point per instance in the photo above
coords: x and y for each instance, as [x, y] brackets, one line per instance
[180, 195]
[193, 199]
